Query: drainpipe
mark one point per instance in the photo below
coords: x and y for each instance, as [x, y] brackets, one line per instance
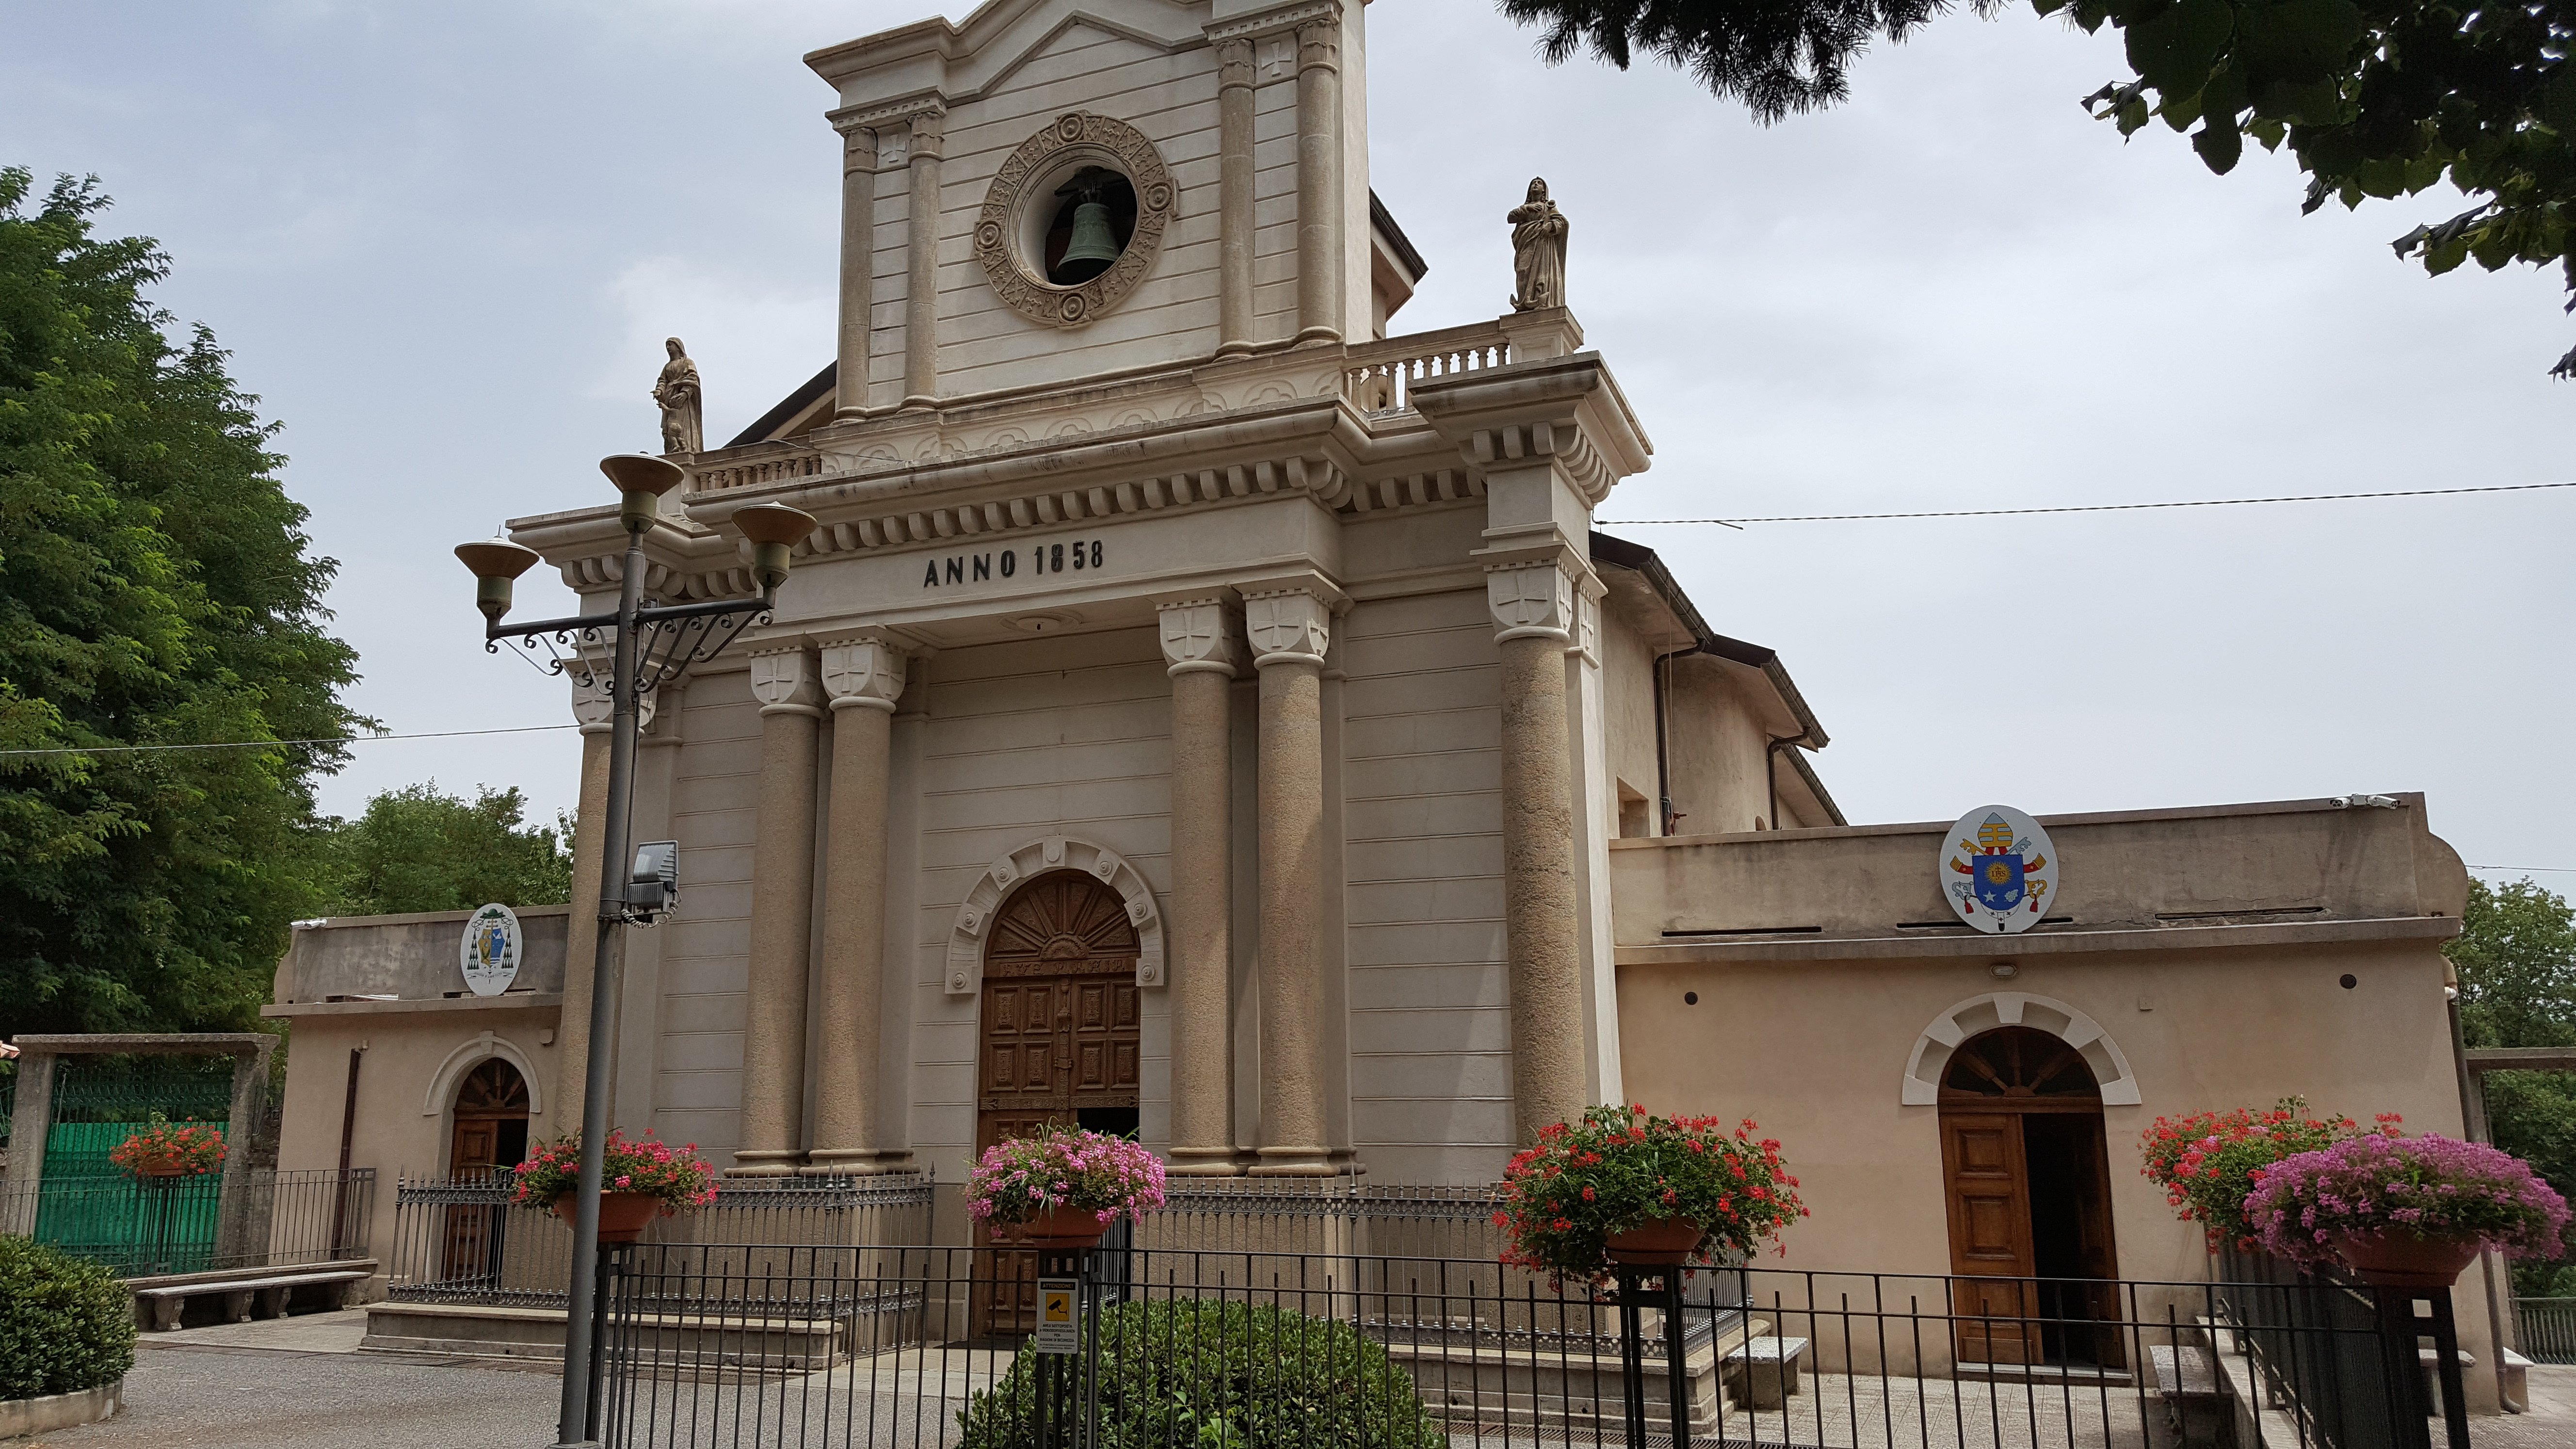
[1771, 772]
[1665, 814]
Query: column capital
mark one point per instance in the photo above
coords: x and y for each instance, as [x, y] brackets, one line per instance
[1234, 64]
[929, 135]
[1319, 45]
[1530, 599]
[863, 672]
[1197, 635]
[858, 148]
[1287, 625]
[783, 681]
[596, 709]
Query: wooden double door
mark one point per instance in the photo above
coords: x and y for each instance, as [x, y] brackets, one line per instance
[2026, 1174]
[1060, 1044]
[490, 1131]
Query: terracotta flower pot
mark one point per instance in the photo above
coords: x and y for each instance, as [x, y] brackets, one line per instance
[2400, 1260]
[1661, 1243]
[623, 1216]
[1065, 1227]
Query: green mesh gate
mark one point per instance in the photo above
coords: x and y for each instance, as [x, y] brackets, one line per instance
[88, 1205]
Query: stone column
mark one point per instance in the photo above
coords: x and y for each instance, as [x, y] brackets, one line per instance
[1319, 182]
[858, 256]
[590, 705]
[921, 264]
[1199, 931]
[1234, 197]
[28, 1125]
[1288, 633]
[782, 915]
[864, 678]
[1533, 609]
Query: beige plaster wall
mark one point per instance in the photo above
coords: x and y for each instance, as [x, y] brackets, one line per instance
[408, 1054]
[1815, 1051]
[1061, 735]
[705, 961]
[1430, 1026]
[1628, 697]
[1714, 749]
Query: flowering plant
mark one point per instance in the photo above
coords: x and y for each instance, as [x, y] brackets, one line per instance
[676, 1175]
[1027, 1177]
[162, 1148]
[2423, 1187]
[2206, 1161]
[1621, 1168]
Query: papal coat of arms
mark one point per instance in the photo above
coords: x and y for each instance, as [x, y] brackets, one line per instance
[489, 954]
[1997, 868]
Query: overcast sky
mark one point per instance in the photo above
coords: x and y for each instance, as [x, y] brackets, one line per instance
[444, 243]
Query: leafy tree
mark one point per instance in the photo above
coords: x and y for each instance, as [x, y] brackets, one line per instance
[417, 849]
[2516, 958]
[2375, 98]
[155, 589]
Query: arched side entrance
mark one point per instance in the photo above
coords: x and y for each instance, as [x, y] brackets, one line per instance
[1061, 1038]
[2025, 1172]
[489, 1130]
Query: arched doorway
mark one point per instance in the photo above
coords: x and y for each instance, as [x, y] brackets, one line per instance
[2026, 1172]
[489, 1131]
[1061, 1041]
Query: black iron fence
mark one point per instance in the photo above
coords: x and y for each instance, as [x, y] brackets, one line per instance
[2548, 1328]
[462, 1239]
[835, 1348]
[145, 1227]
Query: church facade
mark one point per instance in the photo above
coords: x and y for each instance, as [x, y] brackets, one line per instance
[1204, 712]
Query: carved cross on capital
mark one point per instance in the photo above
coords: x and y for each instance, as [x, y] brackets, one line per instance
[1287, 626]
[1530, 601]
[1195, 637]
[863, 674]
[783, 681]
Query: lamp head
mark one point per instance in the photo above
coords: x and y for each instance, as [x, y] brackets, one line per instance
[495, 562]
[641, 481]
[773, 529]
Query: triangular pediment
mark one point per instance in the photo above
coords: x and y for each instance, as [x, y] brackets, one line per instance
[981, 54]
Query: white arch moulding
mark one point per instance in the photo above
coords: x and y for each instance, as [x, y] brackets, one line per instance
[2016, 1008]
[966, 940]
[474, 1053]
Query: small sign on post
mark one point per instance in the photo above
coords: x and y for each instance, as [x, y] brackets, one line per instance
[1059, 1317]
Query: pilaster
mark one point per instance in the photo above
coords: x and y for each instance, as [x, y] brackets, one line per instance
[783, 680]
[1319, 179]
[1199, 651]
[1289, 627]
[921, 263]
[1235, 220]
[858, 255]
[1532, 602]
[864, 677]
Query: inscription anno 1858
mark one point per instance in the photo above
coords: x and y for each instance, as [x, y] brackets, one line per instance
[1083, 554]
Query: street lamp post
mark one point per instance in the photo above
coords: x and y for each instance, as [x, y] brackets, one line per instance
[647, 644]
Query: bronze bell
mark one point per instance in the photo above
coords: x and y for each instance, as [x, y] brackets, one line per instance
[1092, 248]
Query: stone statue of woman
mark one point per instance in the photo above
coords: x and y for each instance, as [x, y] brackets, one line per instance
[683, 416]
[1538, 251]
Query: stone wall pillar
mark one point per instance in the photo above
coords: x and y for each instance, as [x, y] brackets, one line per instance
[921, 267]
[28, 1125]
[858, 256]
[1319, 181]
[1199, 934]
[864, 678]
[782, 915]
[1533, 609]
[590, 705]
[1234, 197]
[1288, 632]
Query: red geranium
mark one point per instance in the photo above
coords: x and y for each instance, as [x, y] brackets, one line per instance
[163, 1148]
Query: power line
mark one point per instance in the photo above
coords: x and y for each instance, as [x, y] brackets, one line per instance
[271, 744]
[2091, 507]
[2543, 869]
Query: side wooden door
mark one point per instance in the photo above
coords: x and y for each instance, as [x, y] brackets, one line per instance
[1987, 1182]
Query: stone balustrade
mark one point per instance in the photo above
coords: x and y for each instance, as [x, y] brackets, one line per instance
[1380, 375]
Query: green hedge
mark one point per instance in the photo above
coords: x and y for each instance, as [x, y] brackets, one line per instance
[1202, 1374]
[66, 1324]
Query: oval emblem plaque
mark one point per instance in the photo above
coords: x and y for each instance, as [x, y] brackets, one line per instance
[489, 953]
[1998, 870]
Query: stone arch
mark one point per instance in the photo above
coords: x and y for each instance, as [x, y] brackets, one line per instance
[965, 970]
[474, 1053]
[1922, 1085]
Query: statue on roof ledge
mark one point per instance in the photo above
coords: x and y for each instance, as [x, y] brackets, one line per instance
[676, 391]
[1538, 251]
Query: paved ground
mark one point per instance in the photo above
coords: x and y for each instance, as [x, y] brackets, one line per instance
[208, 1388]
[2551, 1424]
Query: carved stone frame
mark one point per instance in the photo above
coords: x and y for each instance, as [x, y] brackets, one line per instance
[1073, 137]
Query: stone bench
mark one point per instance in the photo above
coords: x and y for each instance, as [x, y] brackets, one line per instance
[2513, 1381]
[166, 1298]
[1761, 1373]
